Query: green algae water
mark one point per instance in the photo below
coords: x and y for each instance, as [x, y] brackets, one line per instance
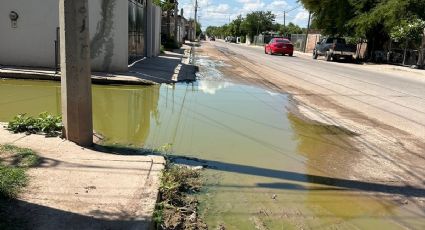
[267, 169]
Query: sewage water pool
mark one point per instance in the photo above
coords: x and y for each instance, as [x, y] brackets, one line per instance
[268, 169]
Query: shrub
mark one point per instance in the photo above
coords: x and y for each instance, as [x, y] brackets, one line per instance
[45, 123]
[243, 39]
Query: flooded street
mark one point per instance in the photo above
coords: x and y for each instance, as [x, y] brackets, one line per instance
[267, 167]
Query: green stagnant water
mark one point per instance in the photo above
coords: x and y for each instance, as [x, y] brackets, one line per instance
[268, 169]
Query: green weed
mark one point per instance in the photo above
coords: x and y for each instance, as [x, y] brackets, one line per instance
[45, 123]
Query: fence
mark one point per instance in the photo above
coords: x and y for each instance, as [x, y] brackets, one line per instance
[298, 40]
[136, 28]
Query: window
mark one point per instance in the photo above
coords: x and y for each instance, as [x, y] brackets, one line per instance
[283, 41]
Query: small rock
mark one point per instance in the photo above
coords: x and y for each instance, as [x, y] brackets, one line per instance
[405, 202]
[197, 168]
[274, 196]
[192, 218]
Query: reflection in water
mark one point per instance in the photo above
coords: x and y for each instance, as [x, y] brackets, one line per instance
[121, 114]
[211, 87]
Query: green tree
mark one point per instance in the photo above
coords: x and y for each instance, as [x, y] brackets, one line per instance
[331, 15]
[291, 28]
[408, 30]
[235, 26]
[198, 28]
[257, 22]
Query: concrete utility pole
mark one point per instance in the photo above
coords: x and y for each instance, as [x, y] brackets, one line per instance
[176, 23]
[306, 34]
[196, 17]
[421, 58]
[76, 71]
[284, 19]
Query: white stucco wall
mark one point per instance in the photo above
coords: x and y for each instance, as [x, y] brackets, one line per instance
[32, 42]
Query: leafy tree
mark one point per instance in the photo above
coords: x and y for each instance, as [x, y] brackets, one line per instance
[258, 21]
[235, 26]
[198, 28]
[291, 28]
[406, 31]
[331, 15]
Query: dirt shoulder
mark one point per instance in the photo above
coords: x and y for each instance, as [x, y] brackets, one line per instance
[84, 188]
[385, 154]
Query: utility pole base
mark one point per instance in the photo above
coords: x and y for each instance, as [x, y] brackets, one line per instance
[76, 71]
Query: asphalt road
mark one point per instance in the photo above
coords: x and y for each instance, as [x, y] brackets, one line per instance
[393, 97]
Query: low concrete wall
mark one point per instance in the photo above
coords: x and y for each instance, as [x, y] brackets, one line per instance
[31, 43]
[312, 40]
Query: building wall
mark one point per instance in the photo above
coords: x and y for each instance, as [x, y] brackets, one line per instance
[31, 43]
[312, 40]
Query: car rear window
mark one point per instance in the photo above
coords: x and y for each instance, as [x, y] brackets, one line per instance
[283, 41]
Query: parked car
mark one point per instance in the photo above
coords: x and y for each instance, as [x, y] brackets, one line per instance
[334, 49]
[232, 40]
[279, 46]
[212, 38]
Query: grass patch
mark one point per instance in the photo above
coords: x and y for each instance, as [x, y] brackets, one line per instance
[45, 123]
[178, 206]
[14, 162]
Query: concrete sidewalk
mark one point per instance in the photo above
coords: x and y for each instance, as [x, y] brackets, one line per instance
[78, 188]
[170, 67]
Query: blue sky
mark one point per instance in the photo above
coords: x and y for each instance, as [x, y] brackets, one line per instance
[218, 12]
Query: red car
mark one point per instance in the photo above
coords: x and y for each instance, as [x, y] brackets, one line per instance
[279, 46]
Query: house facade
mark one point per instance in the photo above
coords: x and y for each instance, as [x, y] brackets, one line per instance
[120, 32]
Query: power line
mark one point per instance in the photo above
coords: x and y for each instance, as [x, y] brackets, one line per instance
[288, 11]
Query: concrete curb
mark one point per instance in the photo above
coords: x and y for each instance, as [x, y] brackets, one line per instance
[97, 78]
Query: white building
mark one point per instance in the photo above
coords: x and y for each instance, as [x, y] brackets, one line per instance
[120, 31]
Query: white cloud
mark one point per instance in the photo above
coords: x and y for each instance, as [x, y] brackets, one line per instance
[218, 12]
[301, 17]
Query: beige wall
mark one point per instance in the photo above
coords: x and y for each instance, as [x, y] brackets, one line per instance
[32, 42]
[312, 40]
